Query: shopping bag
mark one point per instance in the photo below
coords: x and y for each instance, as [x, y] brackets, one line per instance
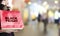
[11, 20]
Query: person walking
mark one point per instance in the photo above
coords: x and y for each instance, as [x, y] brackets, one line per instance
[45, 21]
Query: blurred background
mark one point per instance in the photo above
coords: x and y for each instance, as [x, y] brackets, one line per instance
[30, 10]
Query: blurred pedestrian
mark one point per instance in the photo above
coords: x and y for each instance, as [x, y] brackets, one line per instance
[59, 22]
[39, 18]
[56, 17]
[59, 16]
[44, 17]
[50, 17]
[45, 21]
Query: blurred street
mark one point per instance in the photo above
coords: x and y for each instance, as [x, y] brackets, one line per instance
[37, 30]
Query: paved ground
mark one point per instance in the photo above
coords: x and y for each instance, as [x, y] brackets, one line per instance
[36, 29]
